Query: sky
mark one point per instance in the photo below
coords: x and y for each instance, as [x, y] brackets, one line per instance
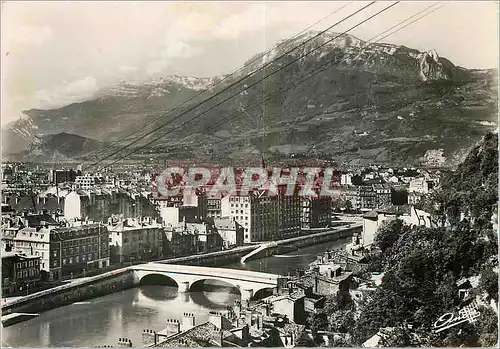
[57, 53]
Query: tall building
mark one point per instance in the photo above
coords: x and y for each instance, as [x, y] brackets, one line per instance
[316, 212]
[214, 209]
[78, 248]
[62, 176]
[264, 217]
[367, 197]
[384, 195]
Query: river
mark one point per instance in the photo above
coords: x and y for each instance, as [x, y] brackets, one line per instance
[103, 320]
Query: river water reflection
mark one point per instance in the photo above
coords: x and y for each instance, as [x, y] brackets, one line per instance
[103, 320]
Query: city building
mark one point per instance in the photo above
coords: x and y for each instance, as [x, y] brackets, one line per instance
[383, 194]
[62, 176]
[78, 247]
[132, 240]
[414, 197]
[214, 206]
[419, 185]
[264, 217]
[99, 204]
[367, 197]
[316, 212]
[186, 238]
[36, 242]
[346, 179]
[19, 272]
[231, 232]
[86, 181]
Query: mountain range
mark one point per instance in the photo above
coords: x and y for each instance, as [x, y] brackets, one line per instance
[375, 103]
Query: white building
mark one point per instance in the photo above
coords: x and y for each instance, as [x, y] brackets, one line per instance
[86, 181]
[72, 206]
[239, 209]
[419, 185]
[346, 179]
[231, 232]
[32, 242]
[169, 215]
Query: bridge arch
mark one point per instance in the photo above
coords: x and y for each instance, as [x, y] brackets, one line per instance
[209, 284]
[262, 293]
[160, 279]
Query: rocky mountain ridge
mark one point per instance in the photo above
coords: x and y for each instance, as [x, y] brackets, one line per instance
[375, 102]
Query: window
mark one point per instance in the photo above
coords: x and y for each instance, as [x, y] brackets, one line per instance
[70, 261]
[91, 256]
[83, 258]
[110, 239]
[30, 264]
[19, 275]
[77, 259]
[64, 261]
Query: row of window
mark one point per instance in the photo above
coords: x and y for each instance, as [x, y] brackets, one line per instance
[28, 264]
[26, 273]
[77, 242]
[79, 259]
[28, 244]
[237, 205]
[81, 249]
[239, 199]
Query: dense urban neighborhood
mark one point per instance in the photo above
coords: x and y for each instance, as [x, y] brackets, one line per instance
[425, 227]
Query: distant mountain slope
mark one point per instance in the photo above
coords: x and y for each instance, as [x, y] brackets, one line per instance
[58, 147]
[378, 103]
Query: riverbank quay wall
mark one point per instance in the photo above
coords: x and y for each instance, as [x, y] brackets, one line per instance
[76, 291]
[288, 245]
[122, 279]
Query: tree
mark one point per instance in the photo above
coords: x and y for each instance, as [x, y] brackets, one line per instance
[487, 326]
[342, 321]
[388, 234]
[489, 283]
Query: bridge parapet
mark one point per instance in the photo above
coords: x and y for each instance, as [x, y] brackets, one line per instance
[247, 282]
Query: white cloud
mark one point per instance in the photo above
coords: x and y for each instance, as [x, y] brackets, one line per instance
[67, 93]
[173, 49]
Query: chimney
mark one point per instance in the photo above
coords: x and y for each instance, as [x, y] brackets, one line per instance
[248, 318]
[173, 326]
[215, 318]
[260, 321]
[188, 321]
[148, 337]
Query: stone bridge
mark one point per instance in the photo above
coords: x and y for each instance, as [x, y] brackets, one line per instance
[247, 282]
